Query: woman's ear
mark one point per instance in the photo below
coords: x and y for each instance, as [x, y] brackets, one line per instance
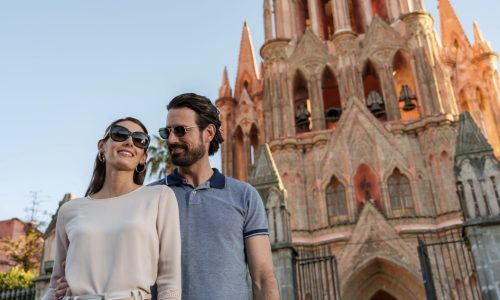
[100, 146]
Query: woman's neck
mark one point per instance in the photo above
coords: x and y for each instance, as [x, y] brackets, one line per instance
[117, 183]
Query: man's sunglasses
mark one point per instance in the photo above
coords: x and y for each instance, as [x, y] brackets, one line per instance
[119, 134]
[179, 131]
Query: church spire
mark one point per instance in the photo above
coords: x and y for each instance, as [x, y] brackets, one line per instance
[225, 87]
[452, 31]
[479, 40]
[247, 75]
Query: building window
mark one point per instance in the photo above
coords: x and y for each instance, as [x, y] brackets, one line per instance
[400, 192]
[335, 200]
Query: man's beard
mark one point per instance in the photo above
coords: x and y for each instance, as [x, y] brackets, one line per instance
[189, 157]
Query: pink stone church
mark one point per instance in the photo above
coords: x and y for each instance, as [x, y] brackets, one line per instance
[358, 104]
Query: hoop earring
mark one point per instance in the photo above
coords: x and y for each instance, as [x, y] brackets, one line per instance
[101, 157]
[142, 170]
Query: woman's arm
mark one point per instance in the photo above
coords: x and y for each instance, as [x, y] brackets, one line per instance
[60, 255]
[169, 263]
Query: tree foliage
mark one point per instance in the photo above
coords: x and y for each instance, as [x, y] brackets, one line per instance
[16, 278]
[25, 251]
[159, 159]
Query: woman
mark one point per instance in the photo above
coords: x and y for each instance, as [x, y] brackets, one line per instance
[122, 237]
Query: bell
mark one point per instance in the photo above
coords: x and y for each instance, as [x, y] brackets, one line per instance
[375, 108]
[407, 96]
[333, 114]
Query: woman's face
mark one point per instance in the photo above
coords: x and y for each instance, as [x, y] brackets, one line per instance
[123, 156]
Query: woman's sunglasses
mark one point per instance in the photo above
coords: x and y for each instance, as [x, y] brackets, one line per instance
[119, 134]
[179, 131]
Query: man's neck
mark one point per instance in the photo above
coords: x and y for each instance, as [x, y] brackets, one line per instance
[198, 173]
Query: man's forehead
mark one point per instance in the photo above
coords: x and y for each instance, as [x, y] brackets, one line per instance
[181, 116]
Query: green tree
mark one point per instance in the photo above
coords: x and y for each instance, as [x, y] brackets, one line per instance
[159, 159]
[25, 251]
[16, 278]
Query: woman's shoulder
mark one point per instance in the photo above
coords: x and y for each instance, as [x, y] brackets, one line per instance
[162, 190]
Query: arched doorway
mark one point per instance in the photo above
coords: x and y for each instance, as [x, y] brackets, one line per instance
[382, 278]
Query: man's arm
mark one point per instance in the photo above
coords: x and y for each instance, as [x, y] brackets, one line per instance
[260, 264]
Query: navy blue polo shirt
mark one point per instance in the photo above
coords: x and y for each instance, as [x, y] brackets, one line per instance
[216, 217]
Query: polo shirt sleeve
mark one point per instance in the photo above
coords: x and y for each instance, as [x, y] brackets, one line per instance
[255, 219]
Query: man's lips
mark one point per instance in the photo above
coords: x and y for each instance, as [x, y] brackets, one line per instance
[176, 149]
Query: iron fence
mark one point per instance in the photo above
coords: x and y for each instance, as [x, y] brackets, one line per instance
[448, 269]
[316, 274]
[18, 294]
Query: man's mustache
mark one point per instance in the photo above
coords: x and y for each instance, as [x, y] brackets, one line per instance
[172, 147]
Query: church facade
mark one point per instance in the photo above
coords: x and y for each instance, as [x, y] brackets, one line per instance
[358, 103]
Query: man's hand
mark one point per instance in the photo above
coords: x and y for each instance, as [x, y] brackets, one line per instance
[61, 288]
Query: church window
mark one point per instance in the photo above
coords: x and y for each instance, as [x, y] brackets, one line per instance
[495, 189]
[331, 99]
[335, 199]
[302, 104]
[373, 92]
[404, 82]
[400, 191]
[326, 19]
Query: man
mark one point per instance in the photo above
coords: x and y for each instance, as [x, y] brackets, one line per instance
[223, 221]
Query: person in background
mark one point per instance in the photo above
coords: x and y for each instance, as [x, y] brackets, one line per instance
[122, 237]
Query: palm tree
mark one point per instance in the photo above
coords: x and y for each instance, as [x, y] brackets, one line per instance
[159, 160]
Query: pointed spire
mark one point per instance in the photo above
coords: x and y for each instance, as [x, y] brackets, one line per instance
[225, 87]
[451, 28]
[480, 43]
[247, 67]
[470, 139]
[478, 35]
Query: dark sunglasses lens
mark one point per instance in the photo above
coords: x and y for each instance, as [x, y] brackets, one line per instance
[164, 133]
[179, 131]
[141, 140]
[118, 133]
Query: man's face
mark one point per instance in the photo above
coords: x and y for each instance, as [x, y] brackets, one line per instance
[188, 149]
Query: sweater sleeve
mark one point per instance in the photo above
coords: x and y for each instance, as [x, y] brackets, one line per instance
[169, 263]
[61, 249]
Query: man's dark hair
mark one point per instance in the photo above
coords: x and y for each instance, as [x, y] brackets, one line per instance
[206, 113]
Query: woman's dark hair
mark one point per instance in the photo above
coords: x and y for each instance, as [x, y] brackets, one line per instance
[206, 113]
[99, 173]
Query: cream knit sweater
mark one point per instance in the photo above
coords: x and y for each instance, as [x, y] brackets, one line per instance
[118, 244]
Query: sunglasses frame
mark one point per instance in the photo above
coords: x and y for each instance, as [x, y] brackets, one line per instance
[129, 134]
[164, 132]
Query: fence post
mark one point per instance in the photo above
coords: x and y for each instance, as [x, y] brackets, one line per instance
[430, 290]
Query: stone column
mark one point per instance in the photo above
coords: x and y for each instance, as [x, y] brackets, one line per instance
[317, 109]
[341, 18]
[391, 100]
[314, 15]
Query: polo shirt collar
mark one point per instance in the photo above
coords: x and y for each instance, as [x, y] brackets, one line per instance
[218, 180]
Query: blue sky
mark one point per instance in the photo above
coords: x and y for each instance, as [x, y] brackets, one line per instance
[69, 68]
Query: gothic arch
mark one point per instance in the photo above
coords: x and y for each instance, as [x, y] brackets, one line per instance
[405, 85]
[374, 95]
[381, 273]
[240, 170]
[254, 142]
[332, 102]
[401, 196]
[366, 186]
[463, 103]
[336, 201]
[301, 103]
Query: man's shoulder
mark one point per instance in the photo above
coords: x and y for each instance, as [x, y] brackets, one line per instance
[234, 183]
